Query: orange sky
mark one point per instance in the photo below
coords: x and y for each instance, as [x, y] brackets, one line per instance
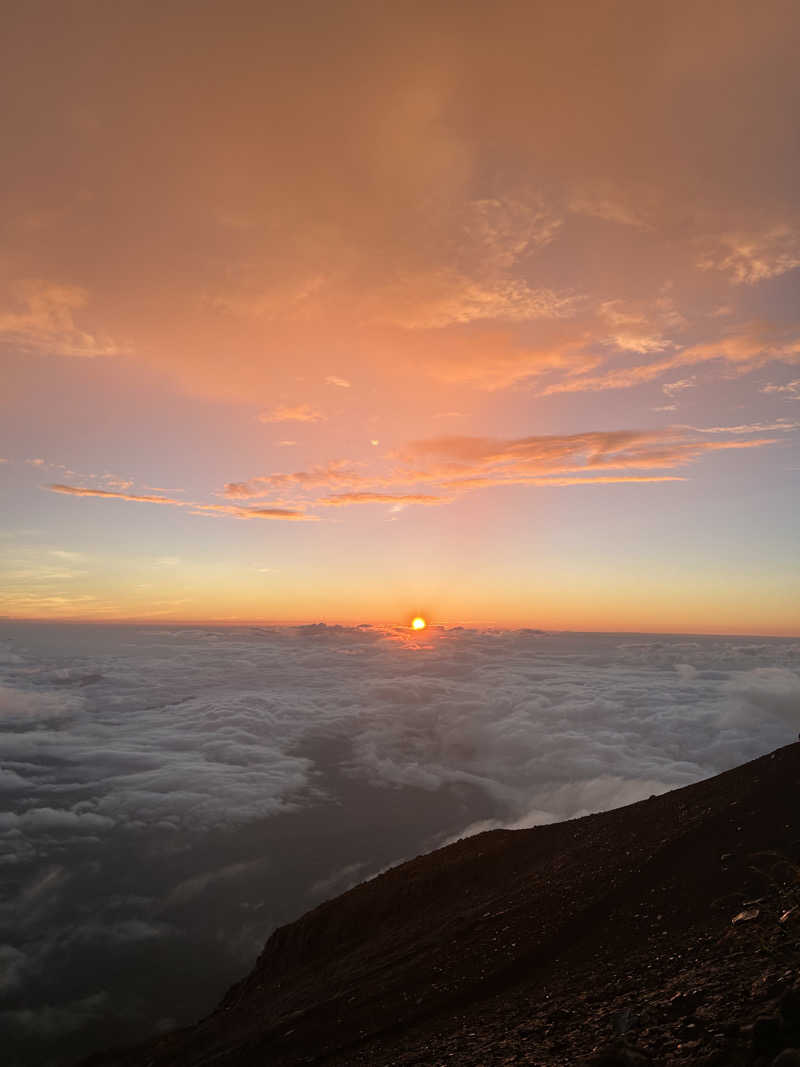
[346, 312]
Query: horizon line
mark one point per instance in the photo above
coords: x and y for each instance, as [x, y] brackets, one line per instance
[393, 625]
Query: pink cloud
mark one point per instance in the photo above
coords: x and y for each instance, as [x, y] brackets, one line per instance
[433, 470]
[395, 264]
[749, 347]
[288, 413]
[336, 472]
[193, 508]
[43, 317]
[560, 482]
[341, 499]
[749, 258]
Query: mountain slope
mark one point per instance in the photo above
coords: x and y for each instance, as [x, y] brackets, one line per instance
[535, 946]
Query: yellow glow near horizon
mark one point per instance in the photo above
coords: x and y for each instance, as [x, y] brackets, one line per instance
[418, 623]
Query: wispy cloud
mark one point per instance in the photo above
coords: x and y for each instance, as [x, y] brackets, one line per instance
[42, 574]
[776, 425]
[43, 317]
[608, 204]
[289, 413]
[673, 388]
[336, 472]
[641, 342]
[447, 298]
[749, 258]
[342, 499]
[503, 461]
[145, 498]
[791, 389]
[193, 508]
[743, 350]
[642, 326]
[434, 470]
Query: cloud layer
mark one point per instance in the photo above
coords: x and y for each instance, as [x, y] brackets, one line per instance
[509, 183]
[162, 778]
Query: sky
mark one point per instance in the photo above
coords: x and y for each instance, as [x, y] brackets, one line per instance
[352, 312]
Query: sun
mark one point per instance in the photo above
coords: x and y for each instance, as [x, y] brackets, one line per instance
[418, 623]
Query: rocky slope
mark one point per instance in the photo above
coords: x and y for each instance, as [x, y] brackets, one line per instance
[665, 932]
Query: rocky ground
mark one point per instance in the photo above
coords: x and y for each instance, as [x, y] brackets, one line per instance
[666, 932]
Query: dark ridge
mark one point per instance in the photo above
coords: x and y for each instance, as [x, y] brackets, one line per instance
[543, 946]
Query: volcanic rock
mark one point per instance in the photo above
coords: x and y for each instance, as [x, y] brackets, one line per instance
[539, 946]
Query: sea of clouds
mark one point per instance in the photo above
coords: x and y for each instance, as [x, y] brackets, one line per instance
[169, 796]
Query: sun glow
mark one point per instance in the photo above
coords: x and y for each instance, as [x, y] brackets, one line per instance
[418, 623]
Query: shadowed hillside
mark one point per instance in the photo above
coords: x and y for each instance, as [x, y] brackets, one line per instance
[542, 946]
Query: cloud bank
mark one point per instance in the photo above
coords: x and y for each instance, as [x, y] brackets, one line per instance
[175, 775]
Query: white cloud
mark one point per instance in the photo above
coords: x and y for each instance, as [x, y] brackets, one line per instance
[53, 819]
[771, 693]
[208, 734]
[160, 761]
[19, 705]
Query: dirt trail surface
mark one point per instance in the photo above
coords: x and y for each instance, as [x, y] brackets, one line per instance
[662, 932]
